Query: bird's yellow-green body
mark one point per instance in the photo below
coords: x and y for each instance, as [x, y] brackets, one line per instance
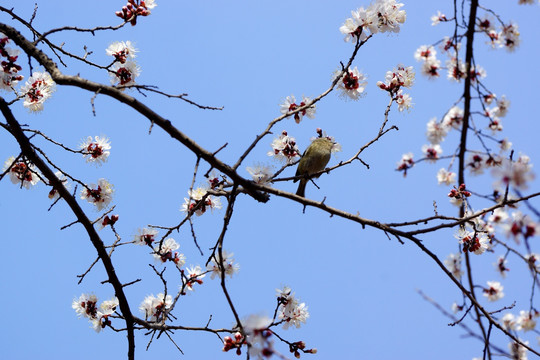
[314, 160]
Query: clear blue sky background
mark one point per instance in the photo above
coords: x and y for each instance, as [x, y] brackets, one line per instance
[359, 285]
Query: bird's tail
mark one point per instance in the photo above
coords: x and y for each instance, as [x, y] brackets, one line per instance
[302, 188]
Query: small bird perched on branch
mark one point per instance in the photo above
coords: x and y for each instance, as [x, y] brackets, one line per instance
[314, 160]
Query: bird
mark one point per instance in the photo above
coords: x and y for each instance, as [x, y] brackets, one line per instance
[313, 161]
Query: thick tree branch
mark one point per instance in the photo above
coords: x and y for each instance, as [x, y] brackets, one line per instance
[28, 151]
[144, 110]
[463, 148]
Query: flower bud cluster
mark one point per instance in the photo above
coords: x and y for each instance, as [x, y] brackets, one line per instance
[134, 9]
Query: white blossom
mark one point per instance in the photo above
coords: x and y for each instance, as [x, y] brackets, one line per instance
[510, 37]
[100, 195]
[388, 15]
[453, 118]
[195, 201]
[96, 150]
[259, 339]
[227, 263]
[508, 322]
[166, 252]
[432, 152]
[352, 83]
[194, 275]
[476, 164]
[291, 311]
[153, 306]
[526, 320]
[260, 173]
[289, 105]
[513, 173]
[405, 163]
[399, 77]
[404, 101]
[453, 264]
[145, 236]
[472, 242]
[121, 51]
[446, 177]
[437, 18]
[9, 71]
[494, 291]
[456, 69]
[21, 172]
[124, 74]
[37, 89]
[54, 194]
[380, 16]
[85, 305]
[425, 52]
[436, 131]
[284, 148]
[431, 68]
[500, 266]
[517, 351]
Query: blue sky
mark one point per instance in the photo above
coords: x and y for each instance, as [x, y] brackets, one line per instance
[361, 287]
